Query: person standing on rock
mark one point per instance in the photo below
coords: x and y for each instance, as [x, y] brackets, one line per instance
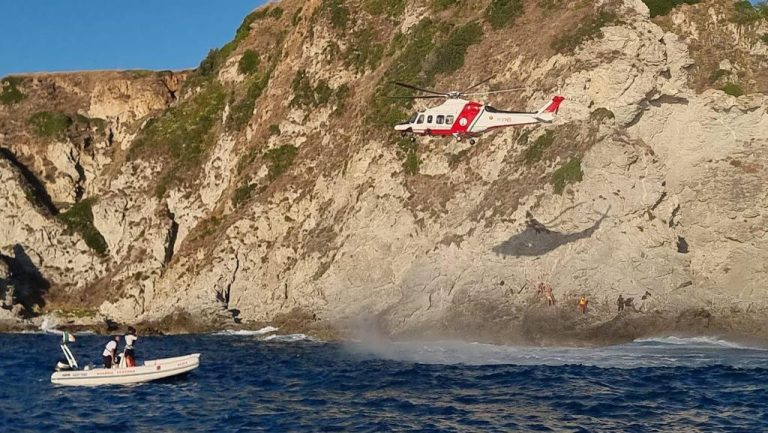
[130, 340]
[110, 352]
[583, 304]
[620, 303]
[548, 294]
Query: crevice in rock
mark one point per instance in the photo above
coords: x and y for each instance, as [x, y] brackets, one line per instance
[111, 137]
[675, 211]
[173, 232]
[36, 187]
[80, 182]
[668, 99]
[660, 200]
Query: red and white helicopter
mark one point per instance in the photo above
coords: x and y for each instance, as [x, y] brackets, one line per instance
[461, 118]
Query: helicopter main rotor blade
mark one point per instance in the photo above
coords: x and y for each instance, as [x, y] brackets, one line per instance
[495, 91]
[412, 87]
[416, 97]
[480, 83]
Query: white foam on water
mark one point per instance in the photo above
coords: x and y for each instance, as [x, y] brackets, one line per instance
[290, 338]
[666, 352]
[694, 341]
[262, 331]
[47, 327]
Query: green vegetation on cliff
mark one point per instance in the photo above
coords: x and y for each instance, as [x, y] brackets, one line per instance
[366, 52]
[392, 8]
[745, 12]
[450, 55]
[408, 151]
[249, 63]
[733, 89]
[9, 91]
[183, 133]
[242, 110]
[429, 49]
[536, 150]
[280, 160]
[502, 13]
[587, 29]
[338, 14]
[568, 174]
[663, 7]
[79, 218]
[50, 124]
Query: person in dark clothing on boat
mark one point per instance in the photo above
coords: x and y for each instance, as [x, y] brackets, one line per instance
[110, 352]
[130, 340]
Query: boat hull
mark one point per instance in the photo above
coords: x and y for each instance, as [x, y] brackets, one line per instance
[151, 370]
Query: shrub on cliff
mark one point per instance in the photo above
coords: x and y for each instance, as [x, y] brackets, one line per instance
[441, 5]
[366, 52]
[745, 12]
[502, 13]
[338, 14]
[249, 63]
[450, 56]
[392, 8]
[280, 159]
[305, 95]
[663, 7]
[407, 150]
[536, 150]
[50, 124]
[182, 133]
[242, 110]
[243, 194]
[79, 218]
[568, 174]
[9, 91]
[589, 28]
[732, 89]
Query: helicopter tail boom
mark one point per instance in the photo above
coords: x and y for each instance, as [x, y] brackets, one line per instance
[548, 112]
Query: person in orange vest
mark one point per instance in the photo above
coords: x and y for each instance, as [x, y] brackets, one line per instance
[583, 304]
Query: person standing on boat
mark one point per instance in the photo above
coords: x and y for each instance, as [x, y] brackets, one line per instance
[130, 340]
[110, 352]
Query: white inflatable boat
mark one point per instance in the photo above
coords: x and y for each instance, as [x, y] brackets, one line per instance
[71, 374]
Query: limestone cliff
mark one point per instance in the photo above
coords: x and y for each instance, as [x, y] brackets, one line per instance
[267, 187]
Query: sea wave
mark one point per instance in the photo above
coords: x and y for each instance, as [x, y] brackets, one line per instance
[659, 352]
[48, 327]
[263, 331]
[289, 338]
[695, 341]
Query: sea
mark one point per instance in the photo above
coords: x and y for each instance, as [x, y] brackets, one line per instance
[262, 382]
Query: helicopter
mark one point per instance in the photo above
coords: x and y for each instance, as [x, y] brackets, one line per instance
[462, 118]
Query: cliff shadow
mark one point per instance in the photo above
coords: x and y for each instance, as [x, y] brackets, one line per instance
[25, 279]
[537, 239]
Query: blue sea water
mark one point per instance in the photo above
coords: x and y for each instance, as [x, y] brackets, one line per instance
[245, 383]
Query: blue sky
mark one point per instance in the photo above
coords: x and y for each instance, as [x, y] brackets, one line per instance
[66, 35]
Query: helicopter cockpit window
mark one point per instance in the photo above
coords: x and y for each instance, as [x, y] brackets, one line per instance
[429, 119]
[440, 120]
[449, 120]
[413, 118]
[421, 119]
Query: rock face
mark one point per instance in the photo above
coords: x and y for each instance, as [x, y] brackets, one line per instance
[242, 194]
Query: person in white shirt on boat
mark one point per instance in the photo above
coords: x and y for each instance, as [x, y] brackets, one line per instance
[130, 340]
[110, 352]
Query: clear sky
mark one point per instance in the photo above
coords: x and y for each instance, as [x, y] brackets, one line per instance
[67, 35]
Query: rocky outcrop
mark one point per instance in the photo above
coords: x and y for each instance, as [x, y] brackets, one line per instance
[290, 204]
